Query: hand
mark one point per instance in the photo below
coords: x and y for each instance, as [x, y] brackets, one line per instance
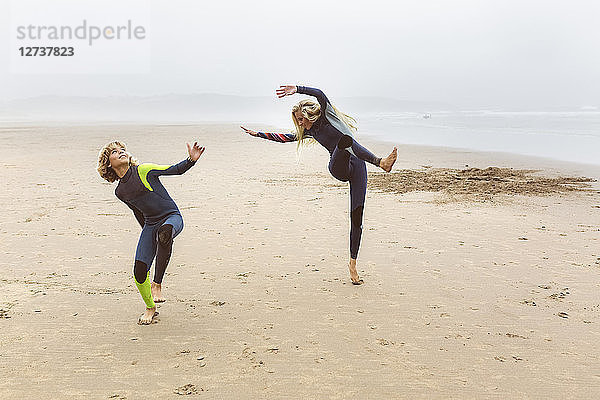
[249, 131]
[286, 91]
[195, 151]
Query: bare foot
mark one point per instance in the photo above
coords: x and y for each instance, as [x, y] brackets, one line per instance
[387, 163]
[353, 273]
[148, 316]
[156, 293]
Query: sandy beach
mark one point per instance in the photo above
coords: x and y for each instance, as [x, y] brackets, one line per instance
[490, 291]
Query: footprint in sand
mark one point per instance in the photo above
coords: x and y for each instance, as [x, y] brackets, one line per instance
[187, 390]
[513, 335]
[560, 295]
[529, 303]
[384, 342]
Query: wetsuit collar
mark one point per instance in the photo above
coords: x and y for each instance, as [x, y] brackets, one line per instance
[316, 124]
[127, 175]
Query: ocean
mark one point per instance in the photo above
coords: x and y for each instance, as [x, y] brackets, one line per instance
[569, 136]
[562, 135]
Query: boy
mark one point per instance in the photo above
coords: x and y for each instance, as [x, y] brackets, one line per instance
[140, 188]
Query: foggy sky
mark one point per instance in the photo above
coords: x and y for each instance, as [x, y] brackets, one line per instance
[467, 52]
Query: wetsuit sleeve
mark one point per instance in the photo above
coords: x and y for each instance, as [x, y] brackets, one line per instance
[318, 93]
[138, 215]
[278, 137]
[177, 169]
[157, 170]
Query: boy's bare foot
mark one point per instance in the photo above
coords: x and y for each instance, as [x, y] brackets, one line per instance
[155, 288]
[148, 316]
[387, 163]
[353, 273]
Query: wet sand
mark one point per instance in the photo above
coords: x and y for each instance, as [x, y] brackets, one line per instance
[483, 292]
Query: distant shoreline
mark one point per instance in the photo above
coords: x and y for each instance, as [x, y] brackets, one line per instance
[471, 157]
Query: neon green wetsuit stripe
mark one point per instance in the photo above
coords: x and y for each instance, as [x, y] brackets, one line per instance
[143, 170]
[146, 291]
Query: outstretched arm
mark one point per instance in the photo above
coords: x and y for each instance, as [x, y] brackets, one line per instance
[318, 93]
[276, 137]
[288, 90]
[194, 153]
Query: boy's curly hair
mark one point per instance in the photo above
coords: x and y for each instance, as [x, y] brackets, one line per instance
[104, 168]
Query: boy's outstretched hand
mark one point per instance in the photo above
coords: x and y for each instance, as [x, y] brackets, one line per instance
[195, 151]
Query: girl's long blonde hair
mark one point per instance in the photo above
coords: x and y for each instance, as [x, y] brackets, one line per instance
[311, 110]
[104, 168]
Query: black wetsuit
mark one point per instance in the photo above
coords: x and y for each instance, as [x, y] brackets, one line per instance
[142, 191]
[347, 158]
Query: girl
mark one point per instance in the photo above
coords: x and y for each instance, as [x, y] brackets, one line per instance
[333, 130]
